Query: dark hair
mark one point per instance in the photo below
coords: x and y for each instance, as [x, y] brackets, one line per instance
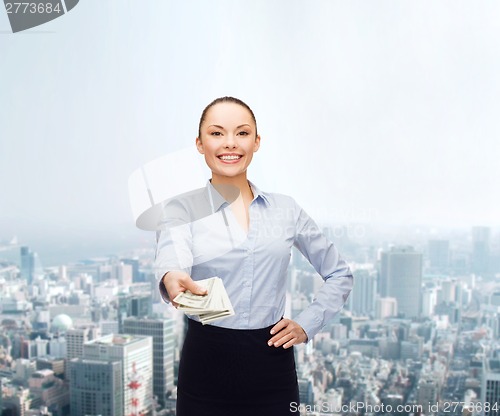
[225, 100]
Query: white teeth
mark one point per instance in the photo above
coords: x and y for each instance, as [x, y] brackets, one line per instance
[229, 157]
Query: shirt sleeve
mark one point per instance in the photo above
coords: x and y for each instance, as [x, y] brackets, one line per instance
[173, 243]
[326, 260]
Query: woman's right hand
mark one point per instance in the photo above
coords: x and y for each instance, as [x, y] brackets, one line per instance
[176, 282]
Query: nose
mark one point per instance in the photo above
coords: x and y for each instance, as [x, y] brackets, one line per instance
[230, 140]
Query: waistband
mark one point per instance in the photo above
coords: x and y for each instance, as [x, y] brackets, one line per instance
[212, 329]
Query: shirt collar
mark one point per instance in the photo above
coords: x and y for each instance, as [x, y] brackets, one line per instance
[258, 193]
[218, 199]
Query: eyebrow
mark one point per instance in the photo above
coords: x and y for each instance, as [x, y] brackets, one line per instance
[222, 128]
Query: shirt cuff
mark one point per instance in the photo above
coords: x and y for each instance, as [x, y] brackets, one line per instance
[309, 322]
[163, 291]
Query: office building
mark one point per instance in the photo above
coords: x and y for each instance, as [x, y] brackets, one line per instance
[48, 390]
[429, 301]
[75, 338]
[136, 274]
[480, 250]
[439, 254]
[306, 390]
[490, 384]
[136, 355]
[162, 332]
[139, 305]
[401, 278]
[27, 265]
[449, 291]
[362, 300]
[96, 387]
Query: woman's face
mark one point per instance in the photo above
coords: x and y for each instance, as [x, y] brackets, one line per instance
[228, 139]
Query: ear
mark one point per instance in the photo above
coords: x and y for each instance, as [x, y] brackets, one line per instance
[199, 145]
[257, 143]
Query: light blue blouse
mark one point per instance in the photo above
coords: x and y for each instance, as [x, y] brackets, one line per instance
[200, 235]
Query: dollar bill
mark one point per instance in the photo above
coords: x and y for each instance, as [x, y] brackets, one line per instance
[188, 298]
[210, 307]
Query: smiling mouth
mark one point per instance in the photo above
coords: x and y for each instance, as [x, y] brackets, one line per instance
[230, 158]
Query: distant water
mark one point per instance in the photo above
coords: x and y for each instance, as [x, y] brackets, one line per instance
[67, 246]
[51, 255]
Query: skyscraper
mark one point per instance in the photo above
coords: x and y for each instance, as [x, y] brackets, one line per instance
[439, 254]
[140, 306]
[27, 264]
[480, 249]
[363, 298]
[162, 332]
[136, 274]
[96, 387]
[450, 289]
[429, 300]
[136, 355]
[401, 278]
[490, 384]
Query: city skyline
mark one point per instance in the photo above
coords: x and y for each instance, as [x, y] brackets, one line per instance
[378, 118]
[387, 347]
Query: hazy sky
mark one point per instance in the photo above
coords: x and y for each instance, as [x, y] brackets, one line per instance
[377, 111]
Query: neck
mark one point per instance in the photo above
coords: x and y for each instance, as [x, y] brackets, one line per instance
[240, 182]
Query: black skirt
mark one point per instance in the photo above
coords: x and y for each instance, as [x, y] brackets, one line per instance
[234, 372]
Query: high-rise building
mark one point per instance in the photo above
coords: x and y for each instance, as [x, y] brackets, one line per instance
[429, 301]
[123, 273]
[162, 332]
[75, 338]
[58, 347]
[136, 274]
[27, 264]
[139, 305]
[439, 254]
[490, 384]
[480, 249]
[136, 355]
[450, 290]
[362, 301]
[96, 387]
[306, 390]
[401, 278]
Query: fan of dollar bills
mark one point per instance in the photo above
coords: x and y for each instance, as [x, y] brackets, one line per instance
[210, 307]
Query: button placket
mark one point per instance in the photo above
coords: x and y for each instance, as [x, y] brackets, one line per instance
[249, 266]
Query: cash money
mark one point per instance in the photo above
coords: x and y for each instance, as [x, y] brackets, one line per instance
[210, 307]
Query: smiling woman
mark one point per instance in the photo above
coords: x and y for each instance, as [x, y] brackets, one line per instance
[227, 136]
[243, 364]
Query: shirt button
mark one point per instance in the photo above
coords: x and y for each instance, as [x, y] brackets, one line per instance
[249, 251]
[245, 315]
[245, 283]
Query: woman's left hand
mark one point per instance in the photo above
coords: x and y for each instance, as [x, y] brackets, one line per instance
[288, 333]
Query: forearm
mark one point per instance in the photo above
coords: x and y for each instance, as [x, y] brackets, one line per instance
[328, 302]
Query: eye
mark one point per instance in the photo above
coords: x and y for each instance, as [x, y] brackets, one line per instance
[243, 133]
[216, 133]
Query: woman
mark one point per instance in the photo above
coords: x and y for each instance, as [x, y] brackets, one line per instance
[243, 364]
